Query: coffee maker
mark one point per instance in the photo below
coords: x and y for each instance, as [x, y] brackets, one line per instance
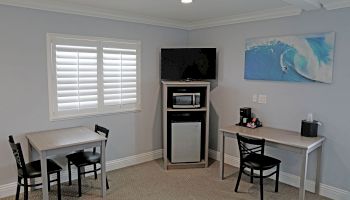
[245, 116]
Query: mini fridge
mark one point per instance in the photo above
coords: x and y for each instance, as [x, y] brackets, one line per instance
[185, 142]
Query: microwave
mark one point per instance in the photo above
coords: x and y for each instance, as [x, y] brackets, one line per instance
[186, 100]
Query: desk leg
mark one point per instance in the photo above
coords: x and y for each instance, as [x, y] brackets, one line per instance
[318, 170]
[222, 154]
[44, 175]
[303, 172]
[103, 169]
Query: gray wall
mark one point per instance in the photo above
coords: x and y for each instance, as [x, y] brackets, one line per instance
[23, 80]
[24, 98]
[287, 103]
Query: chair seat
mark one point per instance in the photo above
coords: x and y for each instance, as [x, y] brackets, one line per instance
[258, 161]
[83, 158]
[34, 168]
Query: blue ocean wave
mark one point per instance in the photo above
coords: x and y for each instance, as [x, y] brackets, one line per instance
[305, 58]
[321, 49]
[275, 61]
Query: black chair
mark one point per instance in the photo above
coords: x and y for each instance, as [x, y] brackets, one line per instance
[85, 158]
[32, 170]
[251, 152]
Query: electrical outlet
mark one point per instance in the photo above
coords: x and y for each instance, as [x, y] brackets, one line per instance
[262, 99]
[255, 98]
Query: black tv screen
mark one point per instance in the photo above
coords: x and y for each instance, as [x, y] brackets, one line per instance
[188, 63]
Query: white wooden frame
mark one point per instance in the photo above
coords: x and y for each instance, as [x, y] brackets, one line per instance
[165, 110]
[101, 110]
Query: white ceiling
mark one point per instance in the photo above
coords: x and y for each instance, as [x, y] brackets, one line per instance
[171, 13]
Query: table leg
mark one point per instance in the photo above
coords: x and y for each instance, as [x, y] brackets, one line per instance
[44, 175]
[103, 169]
[318, 170]
[222, 154]
[30, 152]
[82, 170]
[30, 159]
[303, 172]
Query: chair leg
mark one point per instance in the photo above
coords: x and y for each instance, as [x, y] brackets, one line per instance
[239, 178]
[79, 182]
[261, 185]
[58, 185]
[95, 171]
[251, 175]
[48, 182]
[107, 183]
[18, 188]
[69, 172]
[277, 178]
[25, 188]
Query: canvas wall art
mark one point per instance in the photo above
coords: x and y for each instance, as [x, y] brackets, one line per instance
[299, 58]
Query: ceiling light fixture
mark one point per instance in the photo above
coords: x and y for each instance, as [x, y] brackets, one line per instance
[186, 1]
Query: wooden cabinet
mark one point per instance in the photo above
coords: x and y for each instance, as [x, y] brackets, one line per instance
[192, 114]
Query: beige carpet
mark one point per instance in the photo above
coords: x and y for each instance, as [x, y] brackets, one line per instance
[149, 181]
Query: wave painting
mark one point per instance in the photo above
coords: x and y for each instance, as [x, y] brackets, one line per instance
[301, 58]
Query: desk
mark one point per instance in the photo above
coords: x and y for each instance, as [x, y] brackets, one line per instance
[63, 141]
[288, 140]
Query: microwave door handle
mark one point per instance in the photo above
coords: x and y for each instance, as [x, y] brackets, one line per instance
[194, 100]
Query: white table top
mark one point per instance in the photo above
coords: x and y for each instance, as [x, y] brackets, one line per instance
[289, 138]
[53, 139]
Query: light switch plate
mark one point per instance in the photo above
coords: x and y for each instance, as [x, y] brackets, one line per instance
[262, 99]
[255, 98]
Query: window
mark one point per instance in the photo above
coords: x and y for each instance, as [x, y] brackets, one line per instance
[89, 76]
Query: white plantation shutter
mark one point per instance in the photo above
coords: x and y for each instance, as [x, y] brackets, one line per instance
[120, 74]
[76, 74]
[90, 76]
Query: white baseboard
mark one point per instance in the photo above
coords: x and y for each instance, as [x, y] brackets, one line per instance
[10, 188]
[290, 179]
[134, 160]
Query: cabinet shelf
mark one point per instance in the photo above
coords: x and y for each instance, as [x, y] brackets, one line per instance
[186, 109]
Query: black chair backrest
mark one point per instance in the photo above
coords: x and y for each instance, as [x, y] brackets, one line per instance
[249, 146]
[18, 154]
[101, 131]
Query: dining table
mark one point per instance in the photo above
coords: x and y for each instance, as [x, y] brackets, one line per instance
[63, 141]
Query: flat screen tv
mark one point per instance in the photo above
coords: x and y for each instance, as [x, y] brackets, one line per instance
[188, 63]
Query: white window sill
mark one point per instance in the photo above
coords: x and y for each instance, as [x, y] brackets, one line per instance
[85, 115]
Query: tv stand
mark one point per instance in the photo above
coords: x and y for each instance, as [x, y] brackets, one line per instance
[191, 115]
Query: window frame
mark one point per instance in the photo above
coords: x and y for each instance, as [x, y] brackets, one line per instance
[101, 109]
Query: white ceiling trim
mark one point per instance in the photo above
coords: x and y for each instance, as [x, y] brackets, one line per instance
[247, 17]
[332, 5]
[305, 4]
[94, 12]
[123, 16]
